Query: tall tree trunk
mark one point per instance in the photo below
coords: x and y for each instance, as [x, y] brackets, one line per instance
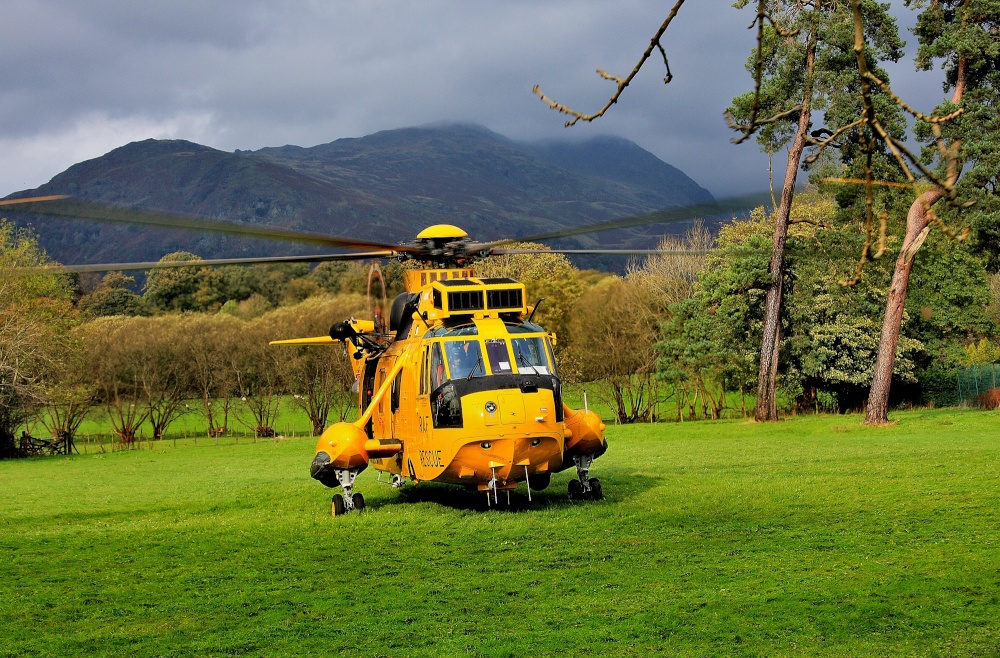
[767, 378]
[917, 226]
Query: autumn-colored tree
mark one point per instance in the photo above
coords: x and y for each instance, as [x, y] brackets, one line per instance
[162, 371]
[114, 358]
[260, 378]
[671, 276]
[208, 349]
[69, 392]
[319, 377]
[36, 314]
[615, 325]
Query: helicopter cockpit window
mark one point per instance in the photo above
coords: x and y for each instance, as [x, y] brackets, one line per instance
[465, 359]
[552, 356]
[524, 328]
[437, 367]
[496, 349]
[531, 356]
[463, 330]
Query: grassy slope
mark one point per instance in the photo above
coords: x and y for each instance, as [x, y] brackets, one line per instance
[813, 536]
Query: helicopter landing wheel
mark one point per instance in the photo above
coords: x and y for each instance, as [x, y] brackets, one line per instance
[575, 490]
[338, 508]
[359, 501]
[596, 493]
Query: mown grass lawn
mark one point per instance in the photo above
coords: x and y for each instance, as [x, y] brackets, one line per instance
[814, 536]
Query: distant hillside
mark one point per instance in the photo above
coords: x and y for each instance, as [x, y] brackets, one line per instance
[385, 186]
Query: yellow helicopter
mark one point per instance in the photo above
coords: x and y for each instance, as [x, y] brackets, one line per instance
[460, 386]
[457, 385]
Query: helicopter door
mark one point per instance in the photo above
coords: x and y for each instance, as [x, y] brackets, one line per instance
[383, 412]
[423, 404]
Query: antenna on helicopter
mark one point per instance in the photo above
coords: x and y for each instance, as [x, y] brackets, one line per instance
[535, 308]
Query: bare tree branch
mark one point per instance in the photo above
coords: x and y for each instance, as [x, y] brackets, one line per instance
[622, 83]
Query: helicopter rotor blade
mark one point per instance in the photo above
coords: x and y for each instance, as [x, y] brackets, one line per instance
[613, 252]
[65, 207]
[212, 262]
[33, 199]
[719, 207]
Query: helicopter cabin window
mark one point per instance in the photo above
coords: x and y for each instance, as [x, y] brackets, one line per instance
[496, 349]
[424, 363]
[531, 356]
[437, 367]
[465, 359]
[394, 393]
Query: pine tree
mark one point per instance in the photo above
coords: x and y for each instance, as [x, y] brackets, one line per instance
[963, 34]
[804, 65]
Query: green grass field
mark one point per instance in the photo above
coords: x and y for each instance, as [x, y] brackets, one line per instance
[293, 422]
[814, 536]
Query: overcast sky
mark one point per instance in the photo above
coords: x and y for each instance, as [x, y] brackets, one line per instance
[81, 77]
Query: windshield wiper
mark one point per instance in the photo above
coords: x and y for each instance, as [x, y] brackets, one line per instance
[523, 359]
[479, 362]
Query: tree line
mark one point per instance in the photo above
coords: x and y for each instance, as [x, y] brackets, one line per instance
[680, 326]
[60, 361]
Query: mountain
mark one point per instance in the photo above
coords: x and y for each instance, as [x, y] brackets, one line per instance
[386, 186]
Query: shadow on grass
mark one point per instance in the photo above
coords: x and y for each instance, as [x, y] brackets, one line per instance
[618, 484]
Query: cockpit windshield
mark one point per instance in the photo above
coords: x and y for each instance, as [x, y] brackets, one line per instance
[530, 355]
[524, 328]
[468, 354]
[502, 356]
[464, 358]
[496, 348]
[460, 330]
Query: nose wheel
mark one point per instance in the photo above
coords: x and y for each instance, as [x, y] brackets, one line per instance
[350, 500]
[586, 487]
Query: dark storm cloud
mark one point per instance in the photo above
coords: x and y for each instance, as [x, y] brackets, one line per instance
[79, 78]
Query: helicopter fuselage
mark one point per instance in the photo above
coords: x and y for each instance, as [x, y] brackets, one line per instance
[462, 389]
